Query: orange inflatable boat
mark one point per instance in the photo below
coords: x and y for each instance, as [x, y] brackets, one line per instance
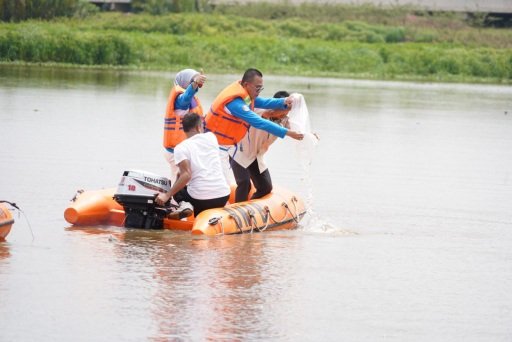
[6, 220]
[280, 209]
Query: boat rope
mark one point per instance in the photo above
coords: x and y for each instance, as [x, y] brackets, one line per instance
[284, 216]
[251, 218]
[294, 217]
[267, 219]
[238, 224]
[254, 223]
[12, 204]
[295, 200]
[78, 192]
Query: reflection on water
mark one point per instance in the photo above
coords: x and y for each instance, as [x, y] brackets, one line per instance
[4, 250]
[203, 288]
[407, 238]
[222, 277]
[45, 77]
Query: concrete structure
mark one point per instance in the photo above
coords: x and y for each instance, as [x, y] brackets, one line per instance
[113, 5]
[493, 6]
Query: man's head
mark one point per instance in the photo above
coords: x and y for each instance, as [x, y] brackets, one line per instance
[252, 81]
[277, 114]
[192, 123]
[281, 94]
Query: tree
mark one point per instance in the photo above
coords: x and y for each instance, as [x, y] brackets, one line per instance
[16, 10]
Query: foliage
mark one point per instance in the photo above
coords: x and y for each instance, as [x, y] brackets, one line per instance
[16, 10]
[158, 7]
[34, 43]
[291, 46]
[85, 9]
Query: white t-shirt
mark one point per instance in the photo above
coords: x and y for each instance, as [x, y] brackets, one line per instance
[202, 151]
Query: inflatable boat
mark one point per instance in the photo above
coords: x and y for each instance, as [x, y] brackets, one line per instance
[6, 220]
[132, 205]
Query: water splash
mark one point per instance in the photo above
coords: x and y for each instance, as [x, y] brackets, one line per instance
[305, 151]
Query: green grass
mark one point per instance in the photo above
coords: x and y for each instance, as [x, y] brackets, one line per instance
[221, 43]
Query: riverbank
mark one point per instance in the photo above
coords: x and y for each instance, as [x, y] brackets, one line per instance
[444, 50]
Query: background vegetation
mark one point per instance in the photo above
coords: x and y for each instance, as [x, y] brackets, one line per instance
[16, 10]
[342, 41]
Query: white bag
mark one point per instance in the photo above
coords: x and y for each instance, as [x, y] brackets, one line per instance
[298, 120]
[299, 115]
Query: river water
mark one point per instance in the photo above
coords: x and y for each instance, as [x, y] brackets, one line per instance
[408, 238]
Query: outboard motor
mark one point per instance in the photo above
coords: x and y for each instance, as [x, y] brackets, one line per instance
[136, 193]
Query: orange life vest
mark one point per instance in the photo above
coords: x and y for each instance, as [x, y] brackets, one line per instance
[228, 129]
[173, 126]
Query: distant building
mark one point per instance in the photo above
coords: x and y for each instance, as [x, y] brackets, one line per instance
[113, 5]
[488, 6]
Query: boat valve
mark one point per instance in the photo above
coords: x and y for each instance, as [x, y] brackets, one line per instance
[214, 220]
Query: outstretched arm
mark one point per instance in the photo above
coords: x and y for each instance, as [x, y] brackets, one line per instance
[238, 108]
[273, 103]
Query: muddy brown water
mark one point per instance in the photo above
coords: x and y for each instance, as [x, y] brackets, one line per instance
[408, 236]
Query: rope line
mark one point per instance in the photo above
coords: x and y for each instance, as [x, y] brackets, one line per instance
[267, 219]
[238, 225]
[12, 204]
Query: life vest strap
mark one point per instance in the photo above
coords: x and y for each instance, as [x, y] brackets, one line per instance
[231, 118]
[223, 135]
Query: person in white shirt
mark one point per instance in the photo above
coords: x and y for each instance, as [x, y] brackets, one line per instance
[200, 179]
[247, 161]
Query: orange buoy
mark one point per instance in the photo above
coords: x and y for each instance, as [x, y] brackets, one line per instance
[6, 221]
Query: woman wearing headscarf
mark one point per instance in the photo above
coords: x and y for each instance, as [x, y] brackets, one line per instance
[182, 100]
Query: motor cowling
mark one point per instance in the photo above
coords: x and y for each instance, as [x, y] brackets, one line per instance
[136, 192]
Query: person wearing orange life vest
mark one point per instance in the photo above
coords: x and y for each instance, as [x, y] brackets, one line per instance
[182, 100]
[232, 113]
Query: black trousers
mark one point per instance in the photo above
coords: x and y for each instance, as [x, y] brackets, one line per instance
[200, 205]
[262, 181]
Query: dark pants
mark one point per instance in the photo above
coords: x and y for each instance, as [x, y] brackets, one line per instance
[200, 205]
[262, 181]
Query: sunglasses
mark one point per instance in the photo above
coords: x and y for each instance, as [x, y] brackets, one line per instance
[257, 88]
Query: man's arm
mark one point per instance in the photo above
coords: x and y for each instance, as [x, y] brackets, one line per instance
[270, 103]
[238, 108]
[184, 176]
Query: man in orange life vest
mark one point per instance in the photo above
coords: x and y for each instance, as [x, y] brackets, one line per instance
[232, 113]
[182, 100]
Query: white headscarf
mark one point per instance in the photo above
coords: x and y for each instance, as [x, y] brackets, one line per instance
[184, 77]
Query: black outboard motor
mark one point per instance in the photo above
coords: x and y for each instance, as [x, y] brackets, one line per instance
[136, 193]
